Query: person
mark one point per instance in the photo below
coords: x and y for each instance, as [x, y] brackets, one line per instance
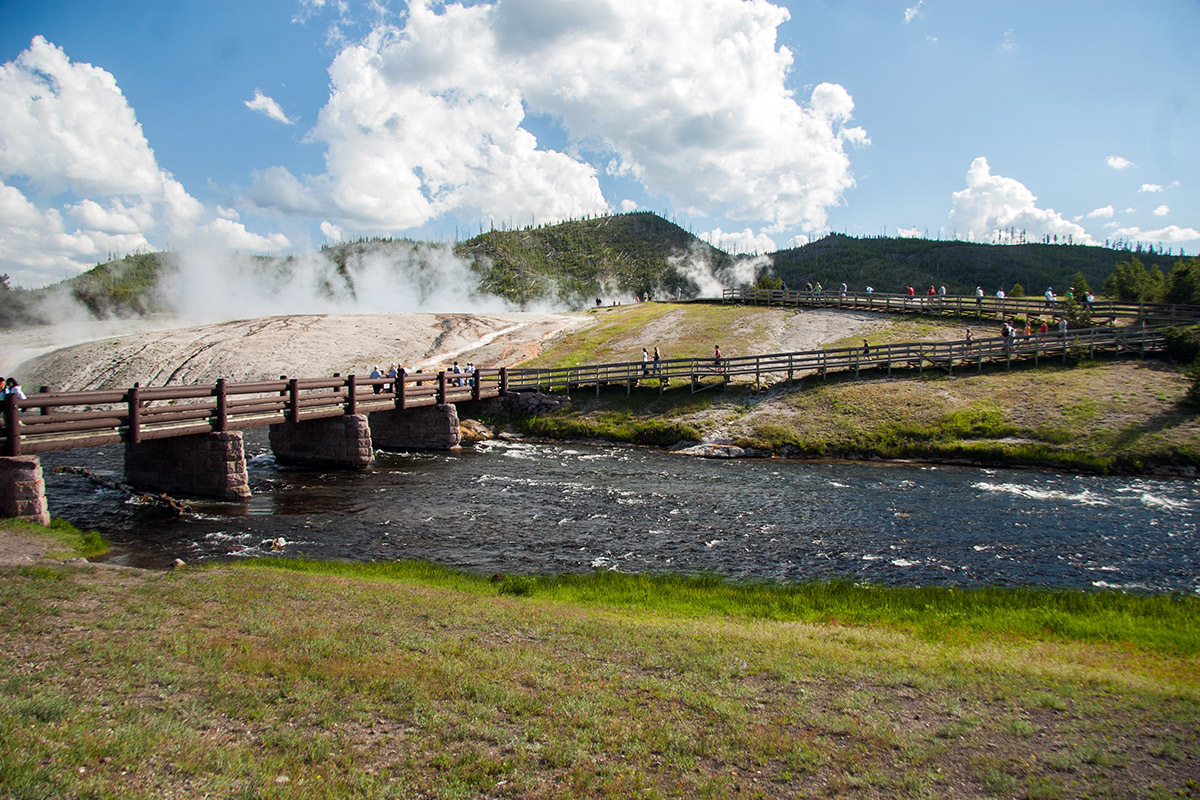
[1043, 329]
[866, 349]
[1062, 327]
[1091, 298]
[870, 289]
[657, 362]
[678, 293]
[1000, 293]
[597, 302]
[911, 291]
[978, 297]
[931, 291]
[645, 362]
[457, 370]
[970, 337]
[819, 289]
[470, 373]
[942, 291]
[12, 387]
[393, 373]
[1028, 329]
[843, 289]
[376, 375]
[809, 288]
[1049, 297]
[717, 354]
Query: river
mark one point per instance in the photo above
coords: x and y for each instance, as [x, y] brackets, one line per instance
[516, 507]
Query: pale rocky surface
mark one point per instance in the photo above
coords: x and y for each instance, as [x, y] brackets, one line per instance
[301, 345]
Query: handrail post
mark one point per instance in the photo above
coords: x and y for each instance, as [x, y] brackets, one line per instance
[12, 426]
[293, 389]
[44, 410]
[221, 423]
[351, 394]
[135, 423]
[441, 389]
[475, 381]
[401, 391]
[504, 380]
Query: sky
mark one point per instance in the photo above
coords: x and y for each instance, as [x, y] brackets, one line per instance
[277, 126]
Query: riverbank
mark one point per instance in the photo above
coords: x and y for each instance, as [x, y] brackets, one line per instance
[406, 680]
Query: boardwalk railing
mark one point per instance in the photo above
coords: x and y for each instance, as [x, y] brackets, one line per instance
[963, 306]
[49, 421]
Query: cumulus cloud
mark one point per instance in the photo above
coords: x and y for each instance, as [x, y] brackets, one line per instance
[1162, 211]
[992, 204]
[1172, 234]
[267, 105]
[909, 233]
[1150, 187]
[746, 241]
[913, 12]
[66, 129]
[1010, 45]
[799, 240]
[1117, 162]
[1106, 211]
[688, 97]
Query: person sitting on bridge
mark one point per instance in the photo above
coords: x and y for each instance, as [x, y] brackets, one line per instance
[376, 375]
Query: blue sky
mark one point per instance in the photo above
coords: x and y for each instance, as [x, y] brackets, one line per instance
[276, 127]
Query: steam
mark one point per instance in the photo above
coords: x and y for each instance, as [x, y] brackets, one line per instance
[710, 279]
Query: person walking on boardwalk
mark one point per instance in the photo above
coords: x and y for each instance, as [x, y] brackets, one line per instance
[717, 354]
[376, 375]
[970, 338]
[645, 363]
[657, 363]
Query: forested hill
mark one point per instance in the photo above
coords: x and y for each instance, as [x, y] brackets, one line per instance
[891, 264]
[624, 254]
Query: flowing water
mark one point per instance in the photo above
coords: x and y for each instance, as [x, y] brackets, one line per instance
[512, 507]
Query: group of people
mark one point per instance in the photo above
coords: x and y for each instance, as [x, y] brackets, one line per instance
[11, 386]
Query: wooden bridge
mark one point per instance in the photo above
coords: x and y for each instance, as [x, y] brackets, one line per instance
[336, 421]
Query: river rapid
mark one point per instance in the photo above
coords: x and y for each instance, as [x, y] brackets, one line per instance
[535, 508]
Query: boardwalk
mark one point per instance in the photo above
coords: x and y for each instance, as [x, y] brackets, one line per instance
[48, 421]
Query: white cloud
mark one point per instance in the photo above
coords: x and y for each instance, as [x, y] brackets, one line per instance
[992, 204]
[799, 240]
[1009, 45]
[909, 233]
[1117, 162]
[913, 12]
[629, 205]
[716, 129]
[234, 236]
[267, 105]
[1106, 212]
[746, 241]
[333, 234]
[1172, 234]
[68, 127]
[1162, 211]
[1150, 187]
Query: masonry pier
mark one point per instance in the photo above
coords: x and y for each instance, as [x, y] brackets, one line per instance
[205, 465]
[425, 428]
[22, 489]
[331, 443]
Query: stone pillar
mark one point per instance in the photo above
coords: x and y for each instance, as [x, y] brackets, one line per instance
[203, 465]
[422, 428]
[22, 489]
[333, 442]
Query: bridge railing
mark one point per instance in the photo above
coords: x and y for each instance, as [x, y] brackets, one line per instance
[961, 305]
[49, 421]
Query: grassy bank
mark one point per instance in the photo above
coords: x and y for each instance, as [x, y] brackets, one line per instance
[319, 680]
[1122, 415]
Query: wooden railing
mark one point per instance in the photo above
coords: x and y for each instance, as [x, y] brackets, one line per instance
[963, 306]
[48, 421]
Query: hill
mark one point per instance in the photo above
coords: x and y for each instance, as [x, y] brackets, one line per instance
[614, 257]
[891, 264]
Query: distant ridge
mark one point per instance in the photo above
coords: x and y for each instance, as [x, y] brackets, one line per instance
[615, 257]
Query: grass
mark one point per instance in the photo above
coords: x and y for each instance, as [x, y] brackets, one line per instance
[308, 679]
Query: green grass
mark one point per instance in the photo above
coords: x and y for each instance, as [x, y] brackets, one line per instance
[303, 679]
[64, 539]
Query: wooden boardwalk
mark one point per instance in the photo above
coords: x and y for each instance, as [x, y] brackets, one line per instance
[49, 420]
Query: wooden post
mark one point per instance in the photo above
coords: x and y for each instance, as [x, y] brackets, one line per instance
[12, 426]
[504, 381]
[293, 389]
[352, 394]
[221, 424]
[135, 423]
[44, 410]
[441, 388]
[401, 391]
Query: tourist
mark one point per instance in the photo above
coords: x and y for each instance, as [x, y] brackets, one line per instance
[470, 373]
[819, 289]
[457, 370]
[12, 387]
[657, 362]
[942, 291]
[393, 373]
[844, 290]
[717, 354]
[1028, 329]
[978, 297]
[866, 349]
[645, 362]
[911, 291]
[1062, 327]
[678, 293]
[1043, 330]
[970, 338]
[376, 375]
[1049, 294]
[870, 289]
[1000, 293]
